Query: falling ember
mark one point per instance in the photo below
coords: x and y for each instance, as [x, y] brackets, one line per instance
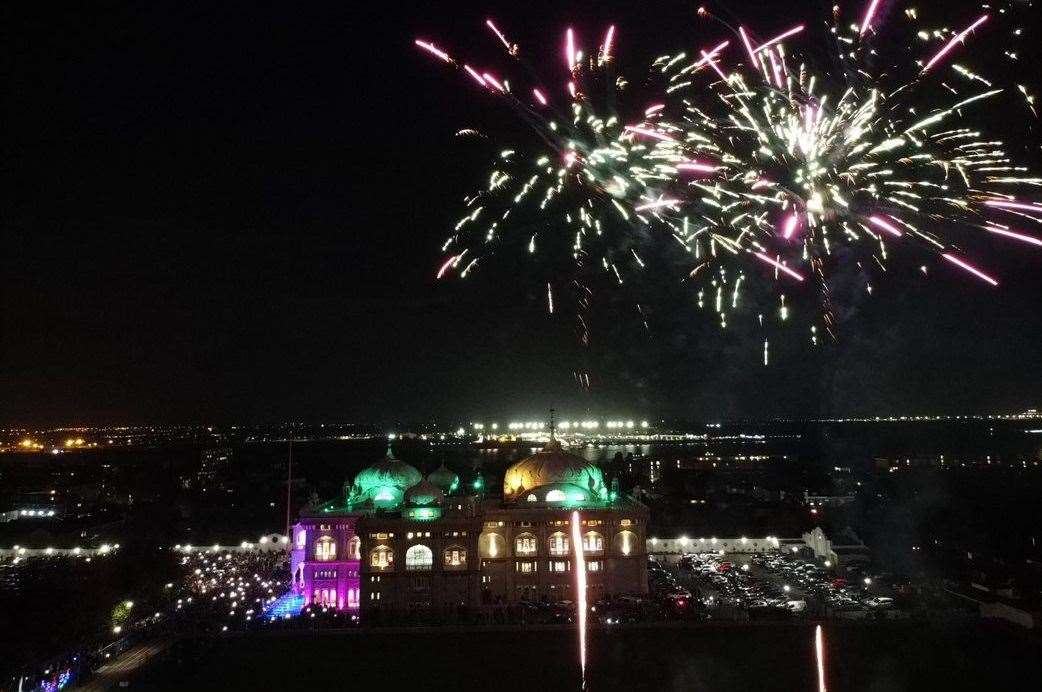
[657, 204]
[539, 96]
[550, 298]
[951, 44]
[970, 268]
[580, 588]
[819, 651]
[790, 226]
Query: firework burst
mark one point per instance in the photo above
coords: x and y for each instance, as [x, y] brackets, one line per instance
[745, 158]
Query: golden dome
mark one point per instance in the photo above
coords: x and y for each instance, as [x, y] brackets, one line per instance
[549, 465]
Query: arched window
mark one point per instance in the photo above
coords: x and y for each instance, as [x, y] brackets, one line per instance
[593, 542]
[302, 538]
[419, 557]
[455, 557]
[626, 543]
[354, 548]
[492, 545]
[525, 544]
[558, 544]
[555, 496]
[381, 557]
[325, 549]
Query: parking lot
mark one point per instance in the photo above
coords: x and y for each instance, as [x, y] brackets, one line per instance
[774, 585]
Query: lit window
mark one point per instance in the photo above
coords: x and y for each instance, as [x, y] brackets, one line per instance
[419, 557]
[354, 548]
[526, 567]
[325, 549]
[593, 566]
[302, 538]
[492, 545]
[455, 556]
[558, 544]
[625, 542]
[381, 557]
[525, 544]
[593, 542]
[558, 566]
[532, 498]
[555, 496]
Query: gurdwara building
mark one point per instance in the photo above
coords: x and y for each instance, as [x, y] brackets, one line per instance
[398, 540]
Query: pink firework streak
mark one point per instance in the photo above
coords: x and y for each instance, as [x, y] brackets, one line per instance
[780, 37]
[608, 38]
[1019, 206]
[955, 41]
[970, 268]
[498, 33]
[569, 49]
[493, 81]
[748, 47]
[778, 265]
[473, 73]
[880, 222]
[445, 267]
[790, 226]
[539, 97]
[1015, 236]
[869, 14]
[649, 133]
[433, 50]
[696, 167]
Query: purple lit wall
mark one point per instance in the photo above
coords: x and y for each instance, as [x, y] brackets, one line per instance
[325, 562]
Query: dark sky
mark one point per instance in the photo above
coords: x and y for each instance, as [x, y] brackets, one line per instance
[233, 212]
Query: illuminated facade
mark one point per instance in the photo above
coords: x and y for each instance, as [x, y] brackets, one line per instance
[398, 540]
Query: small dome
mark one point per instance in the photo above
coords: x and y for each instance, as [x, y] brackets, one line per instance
[552, 465]
[424, 493]
[444, 478]
[385, 481]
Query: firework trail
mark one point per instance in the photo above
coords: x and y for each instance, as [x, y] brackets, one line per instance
[745, 159]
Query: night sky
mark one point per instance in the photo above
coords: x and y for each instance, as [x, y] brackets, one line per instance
[234, 211]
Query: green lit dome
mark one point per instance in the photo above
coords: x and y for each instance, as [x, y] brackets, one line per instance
[424, 493]
[553, 465]
[444, 478]
[385, 482]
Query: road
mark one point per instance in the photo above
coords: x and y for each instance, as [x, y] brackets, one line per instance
[125, 665]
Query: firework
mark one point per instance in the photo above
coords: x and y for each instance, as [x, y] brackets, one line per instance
[751, 153]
